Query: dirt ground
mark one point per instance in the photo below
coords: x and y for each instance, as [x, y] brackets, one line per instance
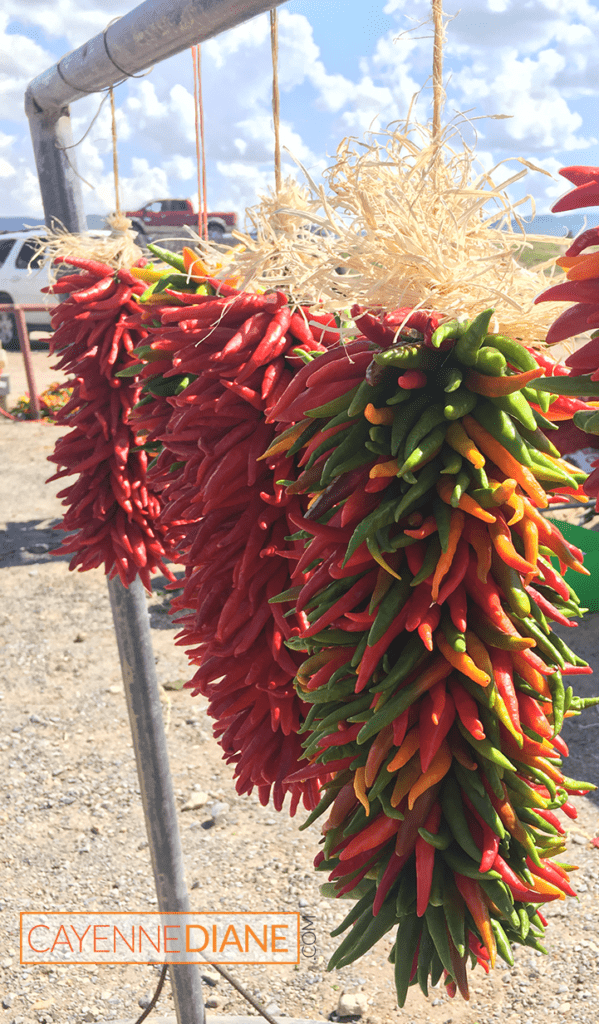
[73, 831]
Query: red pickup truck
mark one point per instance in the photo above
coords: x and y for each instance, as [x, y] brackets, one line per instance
[175, 213]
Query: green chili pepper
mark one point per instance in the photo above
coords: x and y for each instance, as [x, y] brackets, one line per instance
[461, 486]
[489, 360]
[486, 749]
[413, 497]
[440, 840]
[432, 556]
[351, 445]
[464, 865]
[453, 812]
[539, 396]
[407, 357]
[455, 377]
[425, 957]
[452, 461]
[460, 404]
[432, 417]
[389, 608]
[401, 395]
[406, 941]
[454, 910]
[426, 448]
[327, 444]
[411, 654]
[525, 793]
[512, 350]
[435, 922]
[501, 426]
[477, 794]
[516, 405]
[469, 343]
[502, 942]
[542, 423]
[450, 329]
[455, 638]
[171, 258]
[536, 439]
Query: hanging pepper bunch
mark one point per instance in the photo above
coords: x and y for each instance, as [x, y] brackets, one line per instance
[435, 680]
[582, 290]
[111, 512]
[217, 359]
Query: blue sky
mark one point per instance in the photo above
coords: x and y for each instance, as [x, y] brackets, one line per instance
[344, 66]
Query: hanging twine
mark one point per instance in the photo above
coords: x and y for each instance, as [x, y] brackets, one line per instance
[274, 48]
[438, 42]
[115, 158]
[196, 55]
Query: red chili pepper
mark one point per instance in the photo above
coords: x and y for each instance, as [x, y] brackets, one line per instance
[428, 625]
[585, 194]
[372, 328]
[532, 716]
[575, 320]
[504, 680]
[457, 603]
[466, 708]
[412, 379]
[432, 734]
[580, 175]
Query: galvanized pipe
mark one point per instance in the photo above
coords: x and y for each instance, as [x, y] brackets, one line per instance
[132, 627]
[155, 30]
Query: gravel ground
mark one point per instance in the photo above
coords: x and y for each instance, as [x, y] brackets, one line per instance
[73, 828]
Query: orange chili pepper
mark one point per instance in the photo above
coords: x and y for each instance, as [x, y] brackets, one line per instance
[462, 662]
[285, 440]
[406, 778]
[195, 268]
[439, 767]
[390, 468]
[445, 488]
[472, 895]
[501, 537]
[380, 747]
[379, 417]
[456, 525]
[545, 888]
[584, 268]
[407, 750]
[530, 675]
[495, 387]
[516, 503]
[458, 439]
[360, 789]
[478, 652]
[506, 462]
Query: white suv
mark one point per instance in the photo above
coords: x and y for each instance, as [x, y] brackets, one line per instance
[22, 277]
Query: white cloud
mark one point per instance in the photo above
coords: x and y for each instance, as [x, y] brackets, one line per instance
[535, 61]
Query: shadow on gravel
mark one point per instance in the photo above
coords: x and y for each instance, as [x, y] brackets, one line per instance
[30, 543]
[582, 733]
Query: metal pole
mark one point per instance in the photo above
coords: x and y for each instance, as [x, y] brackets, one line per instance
[59, 185]
[132, 627]
[34, 402]
[151, 32]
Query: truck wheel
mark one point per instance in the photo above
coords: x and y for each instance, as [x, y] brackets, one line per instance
[9, 339]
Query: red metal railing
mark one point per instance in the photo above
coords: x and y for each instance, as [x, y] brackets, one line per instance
[23, 335]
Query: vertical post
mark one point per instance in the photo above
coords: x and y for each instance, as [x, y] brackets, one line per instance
[132, 628]
[34, 402]
[60, 187]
